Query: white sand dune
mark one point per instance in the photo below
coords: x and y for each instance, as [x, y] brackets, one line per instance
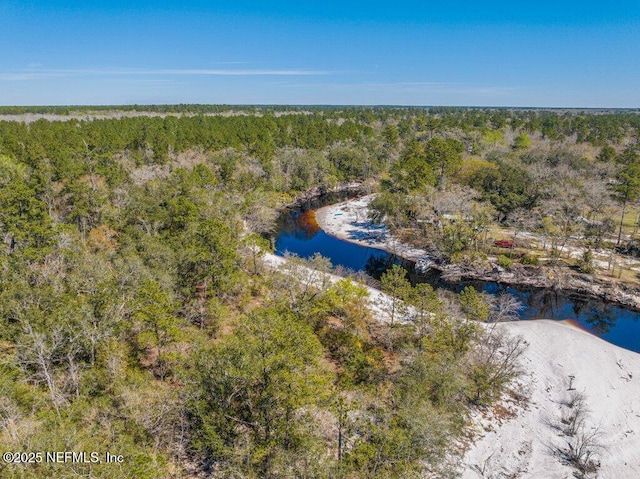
[609, 378]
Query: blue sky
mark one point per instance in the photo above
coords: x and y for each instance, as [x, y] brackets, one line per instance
[517, 53]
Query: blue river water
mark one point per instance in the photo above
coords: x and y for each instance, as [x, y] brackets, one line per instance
[298, 234]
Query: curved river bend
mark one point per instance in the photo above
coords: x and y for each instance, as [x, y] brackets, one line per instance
[298, 233]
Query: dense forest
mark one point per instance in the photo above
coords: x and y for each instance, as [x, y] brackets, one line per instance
[138, 317]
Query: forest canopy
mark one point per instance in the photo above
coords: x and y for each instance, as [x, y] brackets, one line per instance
[138, 317]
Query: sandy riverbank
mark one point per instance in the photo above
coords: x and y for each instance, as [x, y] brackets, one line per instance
[349, 221]
[378, 302]
[520, 442]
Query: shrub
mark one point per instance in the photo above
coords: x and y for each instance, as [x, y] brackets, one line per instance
[505, 262]
[529, 259]
[585, 264]
[522, 142]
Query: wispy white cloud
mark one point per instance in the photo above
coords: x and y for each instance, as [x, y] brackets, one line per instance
[421, 83]
[225, 72]
[37, 73]
[26, 75]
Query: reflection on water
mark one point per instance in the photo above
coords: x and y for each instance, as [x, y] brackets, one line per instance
[377, 265]
[601, 318]
[299, 233]
[302, 226]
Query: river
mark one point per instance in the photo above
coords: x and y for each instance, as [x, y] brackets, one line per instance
[298, 233]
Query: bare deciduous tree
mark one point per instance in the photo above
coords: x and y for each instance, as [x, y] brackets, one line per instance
[505, 308]
[494, 361]
[37, 355]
